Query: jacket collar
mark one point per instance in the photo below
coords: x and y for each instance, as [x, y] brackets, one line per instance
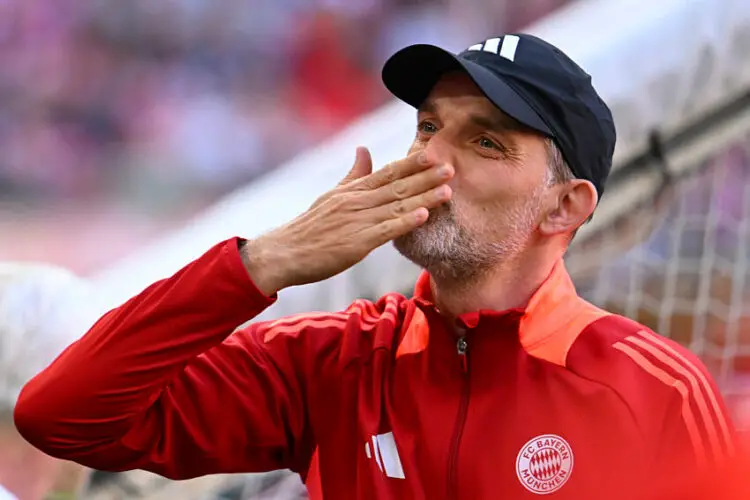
[550, 322]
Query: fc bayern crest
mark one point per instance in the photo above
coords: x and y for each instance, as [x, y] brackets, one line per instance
[544, 464]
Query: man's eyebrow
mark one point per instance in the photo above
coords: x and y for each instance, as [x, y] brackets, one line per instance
[427, 106]
[496, 122]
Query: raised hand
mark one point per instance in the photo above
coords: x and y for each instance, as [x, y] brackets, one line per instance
[364, 211]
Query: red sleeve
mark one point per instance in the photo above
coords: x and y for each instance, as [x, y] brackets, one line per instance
[679, 413]
[161, 384]
[694, 431]
[697, 442]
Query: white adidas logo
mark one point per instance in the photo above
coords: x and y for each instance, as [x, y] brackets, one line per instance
[506, 49]
[382, 448]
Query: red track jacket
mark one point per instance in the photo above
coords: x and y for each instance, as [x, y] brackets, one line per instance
[384, 400]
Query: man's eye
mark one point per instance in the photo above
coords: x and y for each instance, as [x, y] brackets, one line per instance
[427, 127]
[487, 144]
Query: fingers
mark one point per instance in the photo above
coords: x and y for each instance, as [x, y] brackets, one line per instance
[390, 229]
[398, 208]
[412, 164]
[408, 187]
[362, 166]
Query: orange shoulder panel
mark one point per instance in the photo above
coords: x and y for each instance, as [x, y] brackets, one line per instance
[555, 317]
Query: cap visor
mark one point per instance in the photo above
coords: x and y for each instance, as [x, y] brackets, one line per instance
[411, 73]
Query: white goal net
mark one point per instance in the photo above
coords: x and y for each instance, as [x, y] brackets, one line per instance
[679, 264]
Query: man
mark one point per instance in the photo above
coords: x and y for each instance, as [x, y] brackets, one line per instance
[495, 380]
[42, 309]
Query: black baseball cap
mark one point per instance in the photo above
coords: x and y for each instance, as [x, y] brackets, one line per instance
[531, 81]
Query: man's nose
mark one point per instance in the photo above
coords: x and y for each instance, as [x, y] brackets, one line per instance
[438, 149]
[441, 152]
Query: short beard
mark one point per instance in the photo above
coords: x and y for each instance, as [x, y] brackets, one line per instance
[452, 253]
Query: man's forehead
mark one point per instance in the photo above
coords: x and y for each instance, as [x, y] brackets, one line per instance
[456, 84]
[476, 109]
[457, 90]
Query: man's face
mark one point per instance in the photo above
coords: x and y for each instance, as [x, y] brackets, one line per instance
[499, 187]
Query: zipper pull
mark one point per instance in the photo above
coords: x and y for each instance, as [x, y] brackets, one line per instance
[462, 346]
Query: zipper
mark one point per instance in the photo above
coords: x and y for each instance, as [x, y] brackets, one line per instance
[462, 347]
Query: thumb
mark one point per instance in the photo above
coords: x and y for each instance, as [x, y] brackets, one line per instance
[362, 166]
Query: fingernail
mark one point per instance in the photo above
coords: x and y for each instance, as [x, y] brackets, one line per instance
[444, 171]
[422, 158]
[442, 191]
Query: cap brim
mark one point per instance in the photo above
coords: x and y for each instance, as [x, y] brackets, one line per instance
[411, 73]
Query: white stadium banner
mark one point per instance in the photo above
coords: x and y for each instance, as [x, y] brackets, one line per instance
[659, 64]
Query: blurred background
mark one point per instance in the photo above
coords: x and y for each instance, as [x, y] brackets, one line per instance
[135, 134]
[119, 120]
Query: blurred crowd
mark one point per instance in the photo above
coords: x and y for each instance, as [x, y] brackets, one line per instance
[154, 109]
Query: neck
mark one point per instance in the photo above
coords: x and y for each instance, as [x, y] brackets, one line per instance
[508, 285]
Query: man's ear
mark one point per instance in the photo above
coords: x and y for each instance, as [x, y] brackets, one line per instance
[575, 201]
